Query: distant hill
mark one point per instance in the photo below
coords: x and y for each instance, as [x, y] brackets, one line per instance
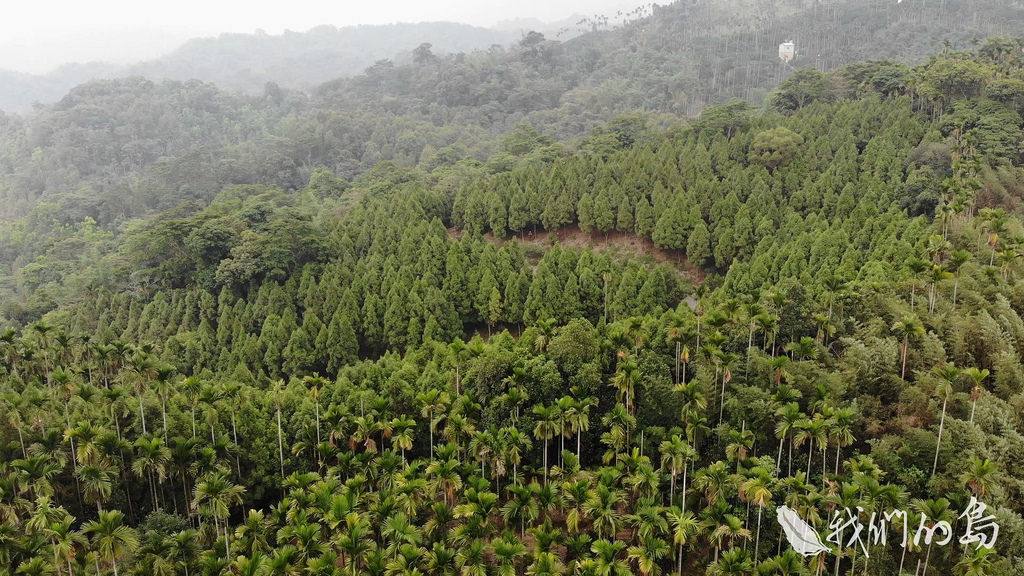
[112, 151]
[246, 62]
[111, 148]
[679, 57]
[694, 52]
[19, 91]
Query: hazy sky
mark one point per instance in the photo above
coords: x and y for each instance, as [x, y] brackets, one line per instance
[37, 35]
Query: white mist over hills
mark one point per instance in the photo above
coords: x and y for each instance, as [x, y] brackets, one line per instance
[45, 52]
[38, 37]
[46, 49]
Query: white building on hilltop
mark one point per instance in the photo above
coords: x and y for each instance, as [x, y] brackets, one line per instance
[787, 51]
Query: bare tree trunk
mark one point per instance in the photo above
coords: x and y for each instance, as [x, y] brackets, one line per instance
[685, 463]
[903, 371]
[142, 414]
[778, 461]
[938, 442]
[838, 447]
[677, 360]
[757, 540]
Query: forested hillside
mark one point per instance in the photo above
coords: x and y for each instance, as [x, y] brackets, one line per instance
[346, 332]
[690, 52]
[114, 150]
[247, 62]
[387, 375]
[109, 134]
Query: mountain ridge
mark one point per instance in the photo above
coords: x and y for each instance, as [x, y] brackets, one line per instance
[247, 61]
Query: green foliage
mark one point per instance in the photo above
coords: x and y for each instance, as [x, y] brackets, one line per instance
[389, 384]
[775, 147]
[803, 89]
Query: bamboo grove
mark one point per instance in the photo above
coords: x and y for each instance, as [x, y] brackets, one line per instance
[392, 376]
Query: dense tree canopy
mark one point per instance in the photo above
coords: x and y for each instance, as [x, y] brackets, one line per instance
[606, 356]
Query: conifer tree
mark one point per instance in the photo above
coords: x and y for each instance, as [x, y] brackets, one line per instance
[585, 213]
[624, 215]
[604, 213]
[698, 245]
[644, 221]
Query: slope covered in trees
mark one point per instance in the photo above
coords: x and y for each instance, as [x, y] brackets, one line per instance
[350, 378]
[247, 62]
[439, 108]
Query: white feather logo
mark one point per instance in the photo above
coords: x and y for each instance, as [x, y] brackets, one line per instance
[802, 536]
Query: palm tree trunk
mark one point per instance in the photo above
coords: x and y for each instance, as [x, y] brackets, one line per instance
[677, 360]
[698, 333]
[942, 422]
[163, 412]
[142, 414]
[903, 371]
[317, 409]
[117, 424]
[227, 541]
[683, 491]
[757, 540]
[778, 461]
[810, 454]
[184, 490]
[127, 493]
[545, 461]
[974, 405]
[561, 439]
[789, 465]
[21, 440]
[750, 344]
[838, 448]
[74, 457]
[234, 435]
